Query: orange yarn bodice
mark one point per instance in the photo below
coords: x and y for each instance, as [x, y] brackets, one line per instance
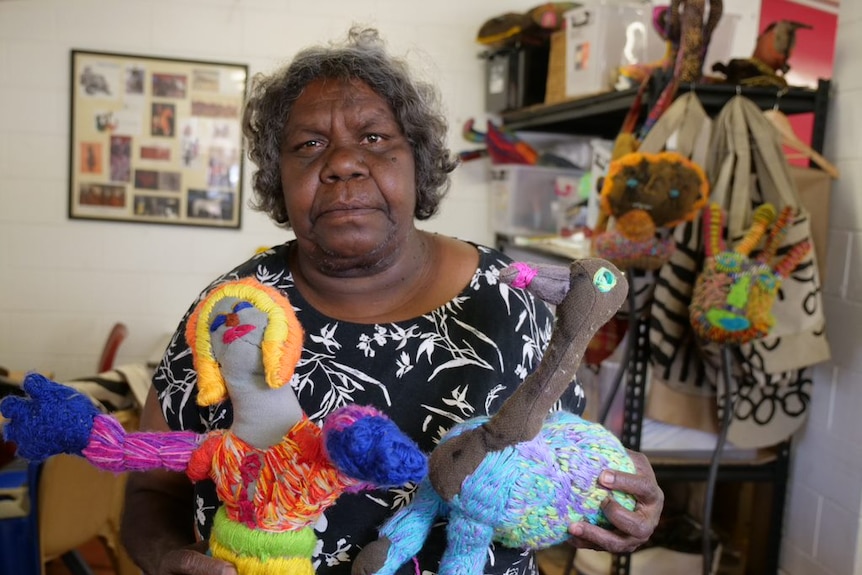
[284, 487]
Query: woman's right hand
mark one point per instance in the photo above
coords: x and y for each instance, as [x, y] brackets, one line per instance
[193, 560]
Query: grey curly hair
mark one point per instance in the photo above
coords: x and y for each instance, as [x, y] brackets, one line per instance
[363, 57]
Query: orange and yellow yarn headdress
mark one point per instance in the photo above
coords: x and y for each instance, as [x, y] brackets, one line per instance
[282, 339]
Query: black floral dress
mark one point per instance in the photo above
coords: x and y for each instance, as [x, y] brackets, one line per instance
[429, 373]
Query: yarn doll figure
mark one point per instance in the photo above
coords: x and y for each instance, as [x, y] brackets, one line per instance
[521, 476]
[275, 471]
[733, 295]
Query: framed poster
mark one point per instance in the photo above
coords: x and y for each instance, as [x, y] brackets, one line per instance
[156, 140]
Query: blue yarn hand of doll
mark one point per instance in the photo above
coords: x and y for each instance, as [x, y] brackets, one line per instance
[48, 407]
[523, 475]
[369, 446]
[734, 293]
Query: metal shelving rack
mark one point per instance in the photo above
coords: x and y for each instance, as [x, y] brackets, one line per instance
[601, 116]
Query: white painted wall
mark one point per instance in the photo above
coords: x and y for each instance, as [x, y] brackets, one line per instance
[822, 531]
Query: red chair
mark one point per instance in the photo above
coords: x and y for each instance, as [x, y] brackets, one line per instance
[118, 334]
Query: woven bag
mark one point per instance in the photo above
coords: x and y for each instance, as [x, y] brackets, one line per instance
[747, 168]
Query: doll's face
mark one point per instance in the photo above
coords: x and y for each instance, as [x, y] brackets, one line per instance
[236, 335]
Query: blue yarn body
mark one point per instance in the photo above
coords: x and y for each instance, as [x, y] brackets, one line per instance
[53, 419]
[373, 449]
[524, 496]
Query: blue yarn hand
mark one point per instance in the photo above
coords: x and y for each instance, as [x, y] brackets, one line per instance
[52, 419]
[371, 448]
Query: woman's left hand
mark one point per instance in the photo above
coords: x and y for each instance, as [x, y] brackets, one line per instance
[631, 528]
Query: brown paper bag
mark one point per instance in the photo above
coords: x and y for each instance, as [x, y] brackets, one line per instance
[815, 187]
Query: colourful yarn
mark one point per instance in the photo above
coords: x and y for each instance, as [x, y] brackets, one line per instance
[281, 346]
[247, 565]
[649, 254]
[763, 216]
[242, 541]
[733, 295]
[554, 483]
[365, 444]
[776, 235]
[111, 448]
[525, 275]
[636, 225]
[292, 483]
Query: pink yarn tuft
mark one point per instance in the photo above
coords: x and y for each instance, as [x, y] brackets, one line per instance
[525, 275]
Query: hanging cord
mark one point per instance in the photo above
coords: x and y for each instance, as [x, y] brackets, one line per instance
[726, 360]
[631, 336]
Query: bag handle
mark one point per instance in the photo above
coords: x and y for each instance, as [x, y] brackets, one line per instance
[773, 171]
[744, 147]
[685, 116]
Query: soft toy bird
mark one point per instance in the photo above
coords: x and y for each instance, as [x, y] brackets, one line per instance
[770, 60]
[523, 475]
[275, 471]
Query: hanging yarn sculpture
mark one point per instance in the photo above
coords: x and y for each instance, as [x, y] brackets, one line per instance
[274, 470]
[523, 475]
[733, 295]
[646, 194]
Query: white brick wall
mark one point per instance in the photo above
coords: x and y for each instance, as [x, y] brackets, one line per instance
[64, 282]
[822, 531]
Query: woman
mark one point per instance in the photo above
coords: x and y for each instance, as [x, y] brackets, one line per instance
[350, 153]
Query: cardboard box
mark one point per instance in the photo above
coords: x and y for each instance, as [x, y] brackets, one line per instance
[555, 84]
[601, 36]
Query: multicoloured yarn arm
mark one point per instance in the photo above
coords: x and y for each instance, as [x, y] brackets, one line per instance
[713, 220]
[111, 448]
[55, 418]
[776, 235]
[763, 216]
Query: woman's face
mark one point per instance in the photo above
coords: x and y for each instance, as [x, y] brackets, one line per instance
[348, 176]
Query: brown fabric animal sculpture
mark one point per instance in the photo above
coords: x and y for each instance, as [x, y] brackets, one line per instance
[689, 30]
[523, 475]
[769, 62]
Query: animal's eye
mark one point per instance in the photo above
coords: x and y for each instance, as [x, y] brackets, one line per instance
[241, 306]
[632, 182]
[218, 322]
[604, 280]
[673, 193]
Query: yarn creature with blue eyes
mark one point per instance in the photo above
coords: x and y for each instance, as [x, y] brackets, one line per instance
[647, 195]
[523, 475]
[733, 295]
[275, 471]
